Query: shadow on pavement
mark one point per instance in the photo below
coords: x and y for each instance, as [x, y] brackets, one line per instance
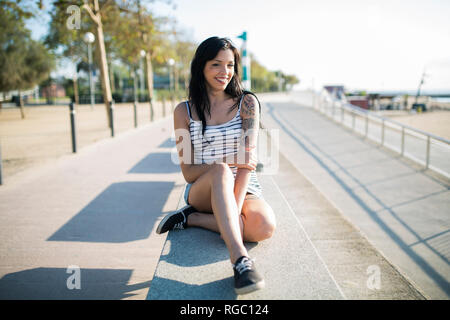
[156, 163]
[216, 290]
[51, 284]
[195, 247]
[169, 143]
[192, 250]
[125, 211]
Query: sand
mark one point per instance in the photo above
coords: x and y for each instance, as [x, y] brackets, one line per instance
[435, 122]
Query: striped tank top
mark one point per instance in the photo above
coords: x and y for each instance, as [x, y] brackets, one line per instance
[219, 141]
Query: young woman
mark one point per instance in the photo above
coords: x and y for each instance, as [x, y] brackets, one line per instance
[216, 133]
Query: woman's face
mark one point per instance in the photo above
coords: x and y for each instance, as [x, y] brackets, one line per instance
[219, 71]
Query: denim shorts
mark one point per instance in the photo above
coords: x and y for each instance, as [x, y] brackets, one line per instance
[186, 192]
[188, 188]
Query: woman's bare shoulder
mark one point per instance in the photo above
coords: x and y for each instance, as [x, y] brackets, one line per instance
[249, 105]
[180, 114]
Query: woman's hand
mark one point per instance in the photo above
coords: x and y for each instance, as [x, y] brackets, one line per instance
[250, 159]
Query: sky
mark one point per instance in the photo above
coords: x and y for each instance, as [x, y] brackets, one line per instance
[373, 45]
[361, 44]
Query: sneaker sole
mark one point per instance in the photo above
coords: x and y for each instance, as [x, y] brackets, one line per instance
[163, 221]
[251, 288]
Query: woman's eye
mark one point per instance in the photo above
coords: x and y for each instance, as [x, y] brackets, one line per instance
[216, 65]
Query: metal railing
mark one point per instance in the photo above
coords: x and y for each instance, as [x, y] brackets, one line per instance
[426, 149]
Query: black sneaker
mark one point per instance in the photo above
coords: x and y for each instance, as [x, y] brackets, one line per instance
[175, 220]
[246, 278]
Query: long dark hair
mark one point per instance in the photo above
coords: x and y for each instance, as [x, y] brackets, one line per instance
[198, 95]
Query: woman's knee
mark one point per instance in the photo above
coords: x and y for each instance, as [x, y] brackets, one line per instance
[260, 227]
[222, 172]
[267, 228]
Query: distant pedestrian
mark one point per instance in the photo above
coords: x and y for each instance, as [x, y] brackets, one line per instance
[216, 132]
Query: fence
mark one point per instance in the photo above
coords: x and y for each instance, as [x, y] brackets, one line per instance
[424, 148]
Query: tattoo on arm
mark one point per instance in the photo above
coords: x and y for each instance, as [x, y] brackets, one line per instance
[248, 123]
[249, 106]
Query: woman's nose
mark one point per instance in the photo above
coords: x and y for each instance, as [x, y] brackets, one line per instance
[223, 69]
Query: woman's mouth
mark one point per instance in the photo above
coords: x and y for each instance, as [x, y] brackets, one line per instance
[222, 80]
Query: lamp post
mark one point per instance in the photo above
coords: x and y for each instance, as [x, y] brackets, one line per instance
[133, 74]
[171, 63]
[89, 38]
[141, 72]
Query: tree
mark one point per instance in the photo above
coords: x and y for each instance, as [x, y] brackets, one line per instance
[183, 50]
[123, 28]
[140, 32]
[24, 62]
[71, 39]
[95, 12]
[264, 80]
[67, 43]
[289, 81]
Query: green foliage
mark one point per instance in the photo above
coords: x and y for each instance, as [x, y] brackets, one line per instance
[69, 43]
[130, 26]
[23, 61]
[263, 80]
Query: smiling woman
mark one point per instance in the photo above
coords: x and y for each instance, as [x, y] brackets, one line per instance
[218, 159]
[220, 69]
[215, 66]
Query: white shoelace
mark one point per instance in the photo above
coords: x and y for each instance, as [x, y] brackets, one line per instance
[244, 265]
[180, 225]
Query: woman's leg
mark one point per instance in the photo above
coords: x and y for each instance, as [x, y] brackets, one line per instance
[213, 192]
[207, 220]
[257, 221]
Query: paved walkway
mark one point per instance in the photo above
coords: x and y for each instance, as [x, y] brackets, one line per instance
[98, 210]
[314, 254]
[401, 209]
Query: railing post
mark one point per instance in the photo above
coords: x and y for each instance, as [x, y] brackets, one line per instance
[403, 141]
[152, 116]
[164, 106]
[353, 121]
[382, 132]
[428, 153]
[135, 114]
[313, 100]
[367, 124]
[1, 166]
[334, 109]
[111, 113]
[72, 127]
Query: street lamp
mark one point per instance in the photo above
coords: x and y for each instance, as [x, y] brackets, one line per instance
[171, 63]
[141, 73]
[89, 38]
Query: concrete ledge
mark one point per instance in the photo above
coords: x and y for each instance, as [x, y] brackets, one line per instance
[195, 264]
[315, 253]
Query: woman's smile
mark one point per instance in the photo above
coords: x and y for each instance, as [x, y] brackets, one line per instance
[222, 80]
[219, 71]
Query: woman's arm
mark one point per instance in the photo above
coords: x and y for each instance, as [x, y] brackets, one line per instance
[250, 125]
[183, 141]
